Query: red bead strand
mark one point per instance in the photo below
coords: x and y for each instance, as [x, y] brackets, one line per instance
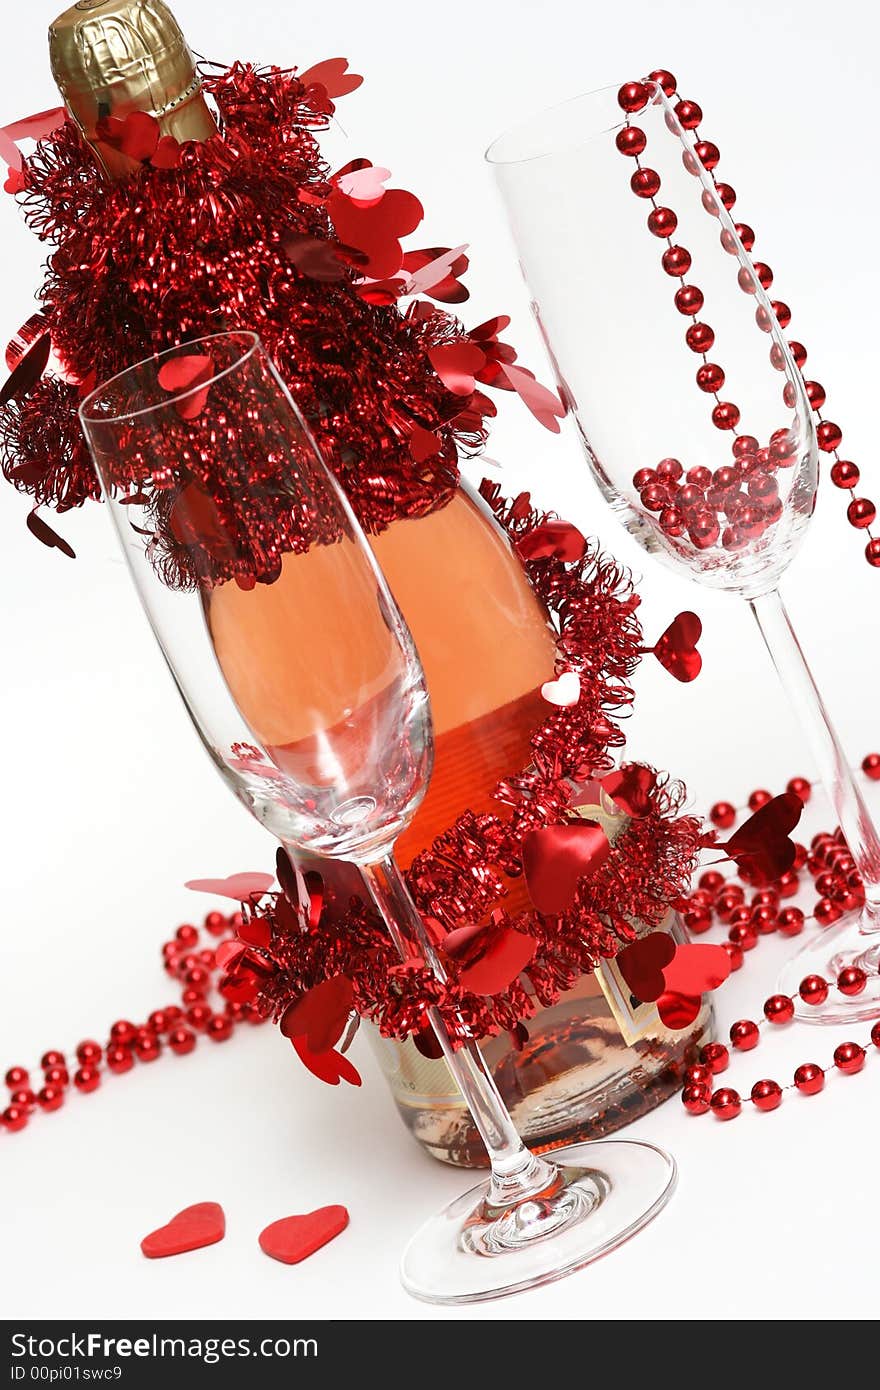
[197, 974]
[744, 524]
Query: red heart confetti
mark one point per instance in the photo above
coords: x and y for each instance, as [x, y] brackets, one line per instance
[427, 1043]
[678, 1011]
[49, 537]
[435, 271]
[191, 1229]
[557, 857]
[333, 75]
[185, 374]
[29, 370]
[696, 968]
[237, 886]
[423, 444]
[557, 540]
[544, 404]
[677, 648]
[376, 228]
[631, 787]
[314, 257]
[320, 1015]
[506, 954]
[195, 520]
[763, 842]
[455, 364]
[166, 154]
[294, 1238]
[363, 182]
[328, 1066]
[642, 964]
[139, 137]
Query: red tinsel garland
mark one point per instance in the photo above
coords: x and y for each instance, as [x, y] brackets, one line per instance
[251, 230]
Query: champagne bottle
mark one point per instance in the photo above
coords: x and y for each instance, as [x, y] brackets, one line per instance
[595, 1060]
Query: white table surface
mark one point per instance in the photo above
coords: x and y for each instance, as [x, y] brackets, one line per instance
[109, 804]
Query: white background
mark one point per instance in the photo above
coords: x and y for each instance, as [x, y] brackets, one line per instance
[109, 804]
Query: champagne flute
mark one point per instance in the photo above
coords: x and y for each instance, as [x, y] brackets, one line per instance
[304, 685]
[642, 287]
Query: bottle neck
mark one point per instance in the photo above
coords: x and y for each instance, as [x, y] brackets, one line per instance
[188, 119]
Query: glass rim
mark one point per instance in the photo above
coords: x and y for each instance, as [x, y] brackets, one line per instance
[251, 343]
[492, 156]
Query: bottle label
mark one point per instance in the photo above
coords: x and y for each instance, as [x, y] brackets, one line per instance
[633, 1018]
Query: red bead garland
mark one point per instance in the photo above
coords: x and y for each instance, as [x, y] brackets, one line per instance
[128, 1042]
[725, 516]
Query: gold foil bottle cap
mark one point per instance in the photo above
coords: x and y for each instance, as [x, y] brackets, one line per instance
[111, 57]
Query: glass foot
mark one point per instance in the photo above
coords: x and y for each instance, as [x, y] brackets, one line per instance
[841, 945]
[605, 1193]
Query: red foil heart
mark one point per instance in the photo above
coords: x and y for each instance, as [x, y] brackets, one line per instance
[558, 540]
[328, 1066]
[190, 375]
[696, 968]
[678, 1011]
[333, 75]
[763, 844]
[507, 953]
[47, 535]
[642, 964]
[676, 649]
[557, 857]
[237, 886]
[631, 786]
[29, 370]
[321, 1014]
[191, 1229]
[456, 365]
[294, 1238]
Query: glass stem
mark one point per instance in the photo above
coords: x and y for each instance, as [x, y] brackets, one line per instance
[517, 1173]
[834, 771]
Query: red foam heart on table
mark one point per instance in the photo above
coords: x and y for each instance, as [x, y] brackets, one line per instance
[507, 953]
[678, 1011]
[294, 1238]
[557, 857]
[191, 1229]
[320, 1015]
[676, 649]
[696, 968]
[631, 787]
[642, 964]
[557, 539]
[763, 842]
[237, 886]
